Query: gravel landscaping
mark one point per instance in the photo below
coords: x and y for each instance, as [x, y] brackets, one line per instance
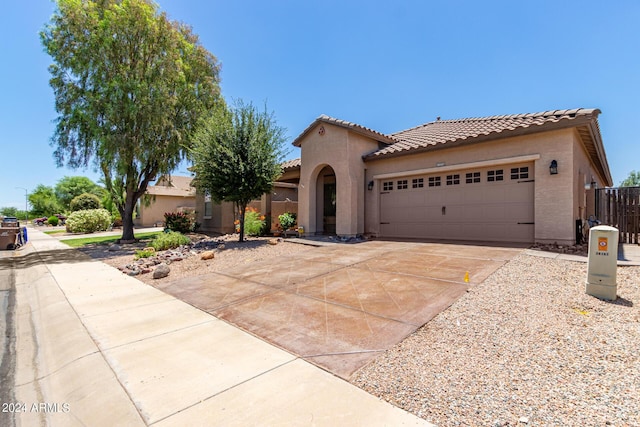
[228, 253]
[526, 347]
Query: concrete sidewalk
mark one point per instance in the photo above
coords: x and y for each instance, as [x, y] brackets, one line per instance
[96, 347]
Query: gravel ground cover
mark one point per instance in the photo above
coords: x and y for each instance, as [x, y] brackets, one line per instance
[526, 347]
[233, 254]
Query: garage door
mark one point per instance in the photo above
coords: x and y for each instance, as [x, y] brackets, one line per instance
[489, 204]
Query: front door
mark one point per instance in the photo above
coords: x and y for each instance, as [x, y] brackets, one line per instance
[329, 216]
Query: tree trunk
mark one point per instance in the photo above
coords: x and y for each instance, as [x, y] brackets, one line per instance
[242, 210]
[127, 219]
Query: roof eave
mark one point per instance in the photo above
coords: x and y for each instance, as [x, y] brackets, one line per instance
[601, 161]
[350, 126]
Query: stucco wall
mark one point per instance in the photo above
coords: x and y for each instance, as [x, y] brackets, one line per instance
[554, 194]
[341, 150]
[221, 220]
[155, 212]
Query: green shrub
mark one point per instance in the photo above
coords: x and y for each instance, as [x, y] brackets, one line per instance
[144, 254]
[169, 240]
[266, 227]
[253, 223]
[85, 201]
[88, 221]
[178, 221]
[53, 220]
[287, 220]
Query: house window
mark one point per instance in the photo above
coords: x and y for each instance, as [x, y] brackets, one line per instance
[434, 181]
[496, 175]
[402, 184]
[417, 183]
[453, 179]
[520, 173]
[387, 186]
[207, 205]
[472, 177]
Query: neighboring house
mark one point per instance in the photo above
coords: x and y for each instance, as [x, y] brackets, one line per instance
[168, 194]
[516, 178]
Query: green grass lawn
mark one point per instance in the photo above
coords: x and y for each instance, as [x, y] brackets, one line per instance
[75, 243]
[55, 232]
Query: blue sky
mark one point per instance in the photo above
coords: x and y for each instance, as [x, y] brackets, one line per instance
[385, 65]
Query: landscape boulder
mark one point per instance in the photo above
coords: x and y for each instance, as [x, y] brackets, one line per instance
[161, 271]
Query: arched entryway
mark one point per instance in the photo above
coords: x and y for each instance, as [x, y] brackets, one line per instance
[326, 201]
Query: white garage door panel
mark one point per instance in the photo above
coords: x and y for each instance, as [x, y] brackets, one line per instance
[492, 211]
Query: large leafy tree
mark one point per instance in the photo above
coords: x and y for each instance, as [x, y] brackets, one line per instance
[633, 180]
[70, 187]
[130, 86]
[237, 154]
[43, 201]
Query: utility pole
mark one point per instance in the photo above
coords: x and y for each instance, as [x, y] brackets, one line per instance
[26, 204]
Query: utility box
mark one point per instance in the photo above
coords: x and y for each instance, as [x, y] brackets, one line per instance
[603, 262]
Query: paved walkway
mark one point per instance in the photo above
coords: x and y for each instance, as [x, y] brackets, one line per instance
[96, 347]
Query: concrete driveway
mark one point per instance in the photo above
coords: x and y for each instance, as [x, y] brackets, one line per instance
[340, 306]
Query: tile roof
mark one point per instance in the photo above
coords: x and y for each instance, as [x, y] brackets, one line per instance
[172, 186]
[348, 125]
[454, 132]
[292, 164]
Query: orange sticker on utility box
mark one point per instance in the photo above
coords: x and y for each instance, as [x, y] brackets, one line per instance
[603, 244]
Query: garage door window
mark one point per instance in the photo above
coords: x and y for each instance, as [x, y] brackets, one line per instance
[497, 175]
[472, 177]
[434, 181]
[417, 183]
[387, 186]
[402, 184]
[520, 173]
[453, 179]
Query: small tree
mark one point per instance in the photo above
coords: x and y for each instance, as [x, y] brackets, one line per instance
[633, 180]
[85, 201]
[237, 155]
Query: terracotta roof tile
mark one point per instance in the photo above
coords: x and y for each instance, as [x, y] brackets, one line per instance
[463, 130]
[292, 164]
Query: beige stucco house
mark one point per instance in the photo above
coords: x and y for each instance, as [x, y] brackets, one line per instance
[516, 178]
[168, 194]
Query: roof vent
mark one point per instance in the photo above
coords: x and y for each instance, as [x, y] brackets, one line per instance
[438, 119]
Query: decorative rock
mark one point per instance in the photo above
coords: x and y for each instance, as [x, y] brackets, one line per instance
[133, 272]
[272, 241]
[161, 271]
[114, 248]
[524, 420]
[207, 255]
[149, 249]
[221, 246]
[173, 258]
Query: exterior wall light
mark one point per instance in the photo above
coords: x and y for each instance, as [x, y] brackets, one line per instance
[370, 186]
[553, 167]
